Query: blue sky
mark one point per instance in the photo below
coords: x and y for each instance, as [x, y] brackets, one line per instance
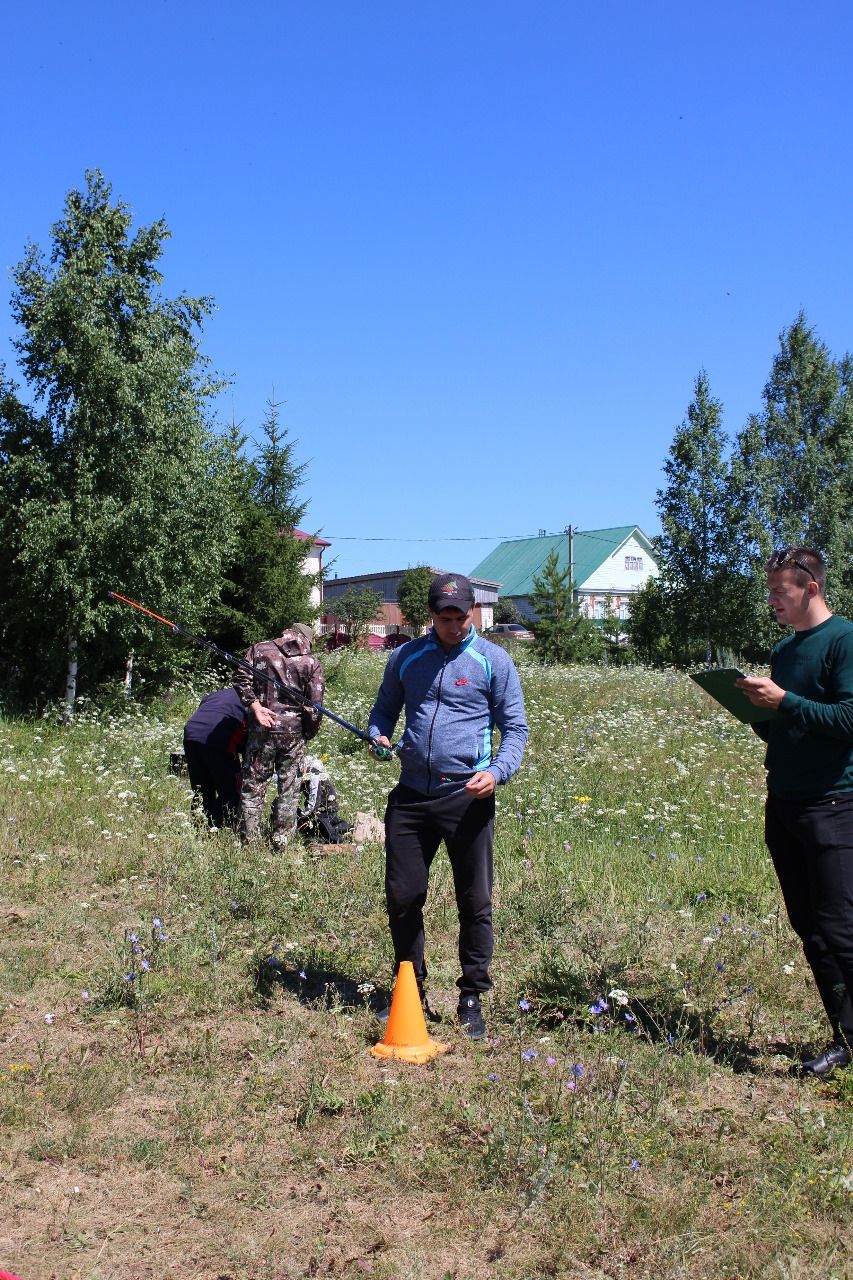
[480, 249]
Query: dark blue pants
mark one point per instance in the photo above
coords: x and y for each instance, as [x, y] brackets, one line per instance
[415, 826]
[215, 774]
[811, 844]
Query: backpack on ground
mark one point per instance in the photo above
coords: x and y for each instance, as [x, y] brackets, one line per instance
[317, 817]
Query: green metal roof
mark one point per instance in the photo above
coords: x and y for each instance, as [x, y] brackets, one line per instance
[514, 564]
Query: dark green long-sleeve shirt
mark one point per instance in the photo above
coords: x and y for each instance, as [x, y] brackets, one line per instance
[810, 743]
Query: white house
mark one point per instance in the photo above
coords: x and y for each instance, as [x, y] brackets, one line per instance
[606, 564]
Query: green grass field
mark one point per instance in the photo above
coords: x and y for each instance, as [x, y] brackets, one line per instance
[218, 1115]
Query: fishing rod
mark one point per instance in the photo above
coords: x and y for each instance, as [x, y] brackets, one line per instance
[377, 750]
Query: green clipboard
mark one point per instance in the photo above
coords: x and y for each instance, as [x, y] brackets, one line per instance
[720, 683]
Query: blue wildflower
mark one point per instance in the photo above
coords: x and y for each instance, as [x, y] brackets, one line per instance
[524, 1005]
[577, 1069]
[527, 1055]
[634, 1164]
[598, 1005]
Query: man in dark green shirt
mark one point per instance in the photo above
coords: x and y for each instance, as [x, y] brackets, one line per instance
[809, 811]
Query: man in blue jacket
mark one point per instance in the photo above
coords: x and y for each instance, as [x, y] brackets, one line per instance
[455, 688]
[214, 737]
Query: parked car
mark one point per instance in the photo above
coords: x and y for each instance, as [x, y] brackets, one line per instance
[511, 630]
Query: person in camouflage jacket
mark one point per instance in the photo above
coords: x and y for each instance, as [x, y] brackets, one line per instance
[278, 728]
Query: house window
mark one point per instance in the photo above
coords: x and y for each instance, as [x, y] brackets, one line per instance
[634, 562]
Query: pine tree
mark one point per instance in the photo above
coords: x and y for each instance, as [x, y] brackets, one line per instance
[266, 587]
[693, 545]
[791, 476]
[562, 633]
[279, 476]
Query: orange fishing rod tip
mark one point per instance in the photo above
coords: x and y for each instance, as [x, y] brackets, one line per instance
[141, 607]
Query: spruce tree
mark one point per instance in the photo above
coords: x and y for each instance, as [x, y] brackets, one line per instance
[695, 555]
[791, 477]
[562, 633]
[266, 587]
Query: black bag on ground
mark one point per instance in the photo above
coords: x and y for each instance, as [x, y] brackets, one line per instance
[317, 818]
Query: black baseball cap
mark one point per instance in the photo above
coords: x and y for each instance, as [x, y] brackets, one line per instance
[450, 591]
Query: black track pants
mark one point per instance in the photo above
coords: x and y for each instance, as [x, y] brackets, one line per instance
[811, 844]
[415, 825]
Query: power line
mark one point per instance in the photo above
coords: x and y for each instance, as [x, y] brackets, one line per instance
[481, 537]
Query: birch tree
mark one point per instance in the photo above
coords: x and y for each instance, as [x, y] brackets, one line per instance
[112, 474]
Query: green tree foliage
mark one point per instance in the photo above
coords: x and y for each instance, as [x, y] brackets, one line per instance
[356, 610]
[614, 634]
[702, 588]
[791, 477]
[110, 476]
[506, 611]
[278, 476]
[413, 595]
[788, 480]
[562, 633]
[650, 624]
[266, 587]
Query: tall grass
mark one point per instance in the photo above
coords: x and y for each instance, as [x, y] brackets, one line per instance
[184, 1075]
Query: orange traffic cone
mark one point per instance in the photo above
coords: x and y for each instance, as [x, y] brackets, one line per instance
[406, 1035]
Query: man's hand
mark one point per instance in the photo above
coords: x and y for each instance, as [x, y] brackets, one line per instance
[481, 785]
[381, 741]
[263, 715]
[761, 691]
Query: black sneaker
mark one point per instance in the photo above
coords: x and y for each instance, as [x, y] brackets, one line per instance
[831, 1059]
[471, 1016]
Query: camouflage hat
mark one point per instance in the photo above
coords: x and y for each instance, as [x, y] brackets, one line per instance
[304, 630]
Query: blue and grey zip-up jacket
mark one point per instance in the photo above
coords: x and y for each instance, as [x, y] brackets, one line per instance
[453, 700]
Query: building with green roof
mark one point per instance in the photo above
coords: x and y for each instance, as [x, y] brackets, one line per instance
[607, 565]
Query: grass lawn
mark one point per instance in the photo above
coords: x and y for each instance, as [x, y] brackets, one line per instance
[185, 1084]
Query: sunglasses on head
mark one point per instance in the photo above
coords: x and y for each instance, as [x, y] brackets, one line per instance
[782, 558]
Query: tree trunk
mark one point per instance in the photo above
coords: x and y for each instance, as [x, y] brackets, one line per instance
[128, 676]
[71, 680]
